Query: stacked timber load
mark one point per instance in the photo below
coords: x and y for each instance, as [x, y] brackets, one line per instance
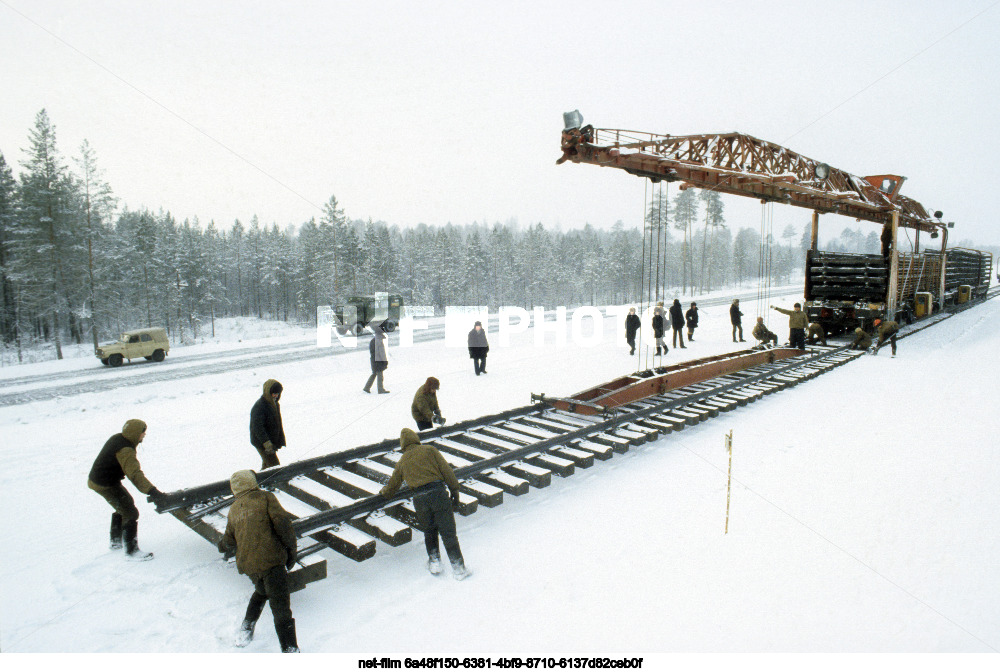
[967, 267]
[843, 276]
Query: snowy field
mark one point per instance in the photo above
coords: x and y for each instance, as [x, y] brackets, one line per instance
[863, 515]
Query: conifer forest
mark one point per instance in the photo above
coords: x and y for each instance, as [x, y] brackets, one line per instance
[76, 267]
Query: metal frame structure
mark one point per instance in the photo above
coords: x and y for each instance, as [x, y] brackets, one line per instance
[740, 164]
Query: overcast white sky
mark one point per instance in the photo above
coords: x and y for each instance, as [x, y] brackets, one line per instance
[442, 112]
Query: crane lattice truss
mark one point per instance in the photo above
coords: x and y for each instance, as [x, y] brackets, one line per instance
[736, 163]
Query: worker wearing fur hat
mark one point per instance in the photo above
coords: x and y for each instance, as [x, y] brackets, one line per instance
[763, 334]
[267, 434]
[425, 409]
[887, 331]
[259, 533]
[478, 347]
[116, 461]
[423, 465]
[659, 325]
[862, 341]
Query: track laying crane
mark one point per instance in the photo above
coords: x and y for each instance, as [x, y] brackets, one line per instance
[842, 290]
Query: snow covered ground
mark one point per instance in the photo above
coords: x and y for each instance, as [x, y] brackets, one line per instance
[863, 515]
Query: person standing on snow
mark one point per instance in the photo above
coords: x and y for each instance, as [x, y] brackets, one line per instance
[267, 434]
[658, 327]
[425, 409]
[259, 532]
[419, 466]
[677, 321]
[379, 360]
[116, 461]
[735, 316]
[632, 324]
[478, 347]
[797, 323]
[692, 320]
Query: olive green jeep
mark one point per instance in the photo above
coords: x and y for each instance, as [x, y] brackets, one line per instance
[152, 344]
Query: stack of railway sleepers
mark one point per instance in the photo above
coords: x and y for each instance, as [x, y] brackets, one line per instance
[967, 267]
[845, 276]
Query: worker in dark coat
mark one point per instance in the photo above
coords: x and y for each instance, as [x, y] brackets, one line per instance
[763, 334]
[259, 532]
[862, 341]
[691, 316]
[632, 324]
[267, 434]
[816, 333]
[735, 316]
[419, 466]
[797, 323]
[117, 461]
[425, 409]
[677, 321]
[658, 326]
[478, 347]
[379, 360]
[887, 331]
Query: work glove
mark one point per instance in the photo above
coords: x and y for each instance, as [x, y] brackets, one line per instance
[454, 498]
[155, 496]
[227, 551]
[437, 419]
[290, 563]
[269, 447]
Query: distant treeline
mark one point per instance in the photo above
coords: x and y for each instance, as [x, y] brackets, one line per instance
[73, 266]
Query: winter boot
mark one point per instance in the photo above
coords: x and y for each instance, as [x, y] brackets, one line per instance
[132, 544]
[434, 563]
[286, 637]
[245, 635]
[459, 571]
[657, 350]
[116, 531]
[256, 605]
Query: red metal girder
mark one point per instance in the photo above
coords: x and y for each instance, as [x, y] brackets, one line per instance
[739, 164]
[631, 388]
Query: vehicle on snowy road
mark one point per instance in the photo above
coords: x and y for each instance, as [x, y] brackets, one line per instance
[150, 344]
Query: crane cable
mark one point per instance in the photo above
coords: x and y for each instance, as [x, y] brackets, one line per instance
[764, 266]
[642, 269]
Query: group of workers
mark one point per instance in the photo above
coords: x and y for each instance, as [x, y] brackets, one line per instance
[801, 331]
[259, 530]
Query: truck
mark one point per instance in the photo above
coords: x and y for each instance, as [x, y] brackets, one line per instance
[380, 308]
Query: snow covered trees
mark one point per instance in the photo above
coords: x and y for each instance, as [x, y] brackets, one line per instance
[75, 266]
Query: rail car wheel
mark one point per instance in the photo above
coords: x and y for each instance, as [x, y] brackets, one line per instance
[115, 360]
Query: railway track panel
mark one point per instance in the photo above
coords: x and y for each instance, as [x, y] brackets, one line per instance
[335, 499]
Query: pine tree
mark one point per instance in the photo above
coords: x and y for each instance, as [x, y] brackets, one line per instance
[48, 247]
[98, 211]
[685, 215]
[9, 330]
[714, 219]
